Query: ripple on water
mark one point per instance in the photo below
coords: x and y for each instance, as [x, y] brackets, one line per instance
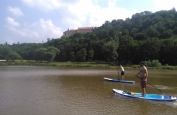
[51, 91]
[164, 87]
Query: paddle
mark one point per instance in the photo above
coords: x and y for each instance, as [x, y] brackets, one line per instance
[152, 85]
[118, 73]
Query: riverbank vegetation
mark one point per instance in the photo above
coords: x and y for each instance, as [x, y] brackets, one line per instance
[84, 64]
[147, 36]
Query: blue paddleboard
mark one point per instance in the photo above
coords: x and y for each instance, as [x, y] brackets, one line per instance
[153, 97]
[117, 80]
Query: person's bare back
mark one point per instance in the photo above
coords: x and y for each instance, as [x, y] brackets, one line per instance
[121, 68]
[122, 71]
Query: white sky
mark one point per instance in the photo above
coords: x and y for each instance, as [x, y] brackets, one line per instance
[33, 21]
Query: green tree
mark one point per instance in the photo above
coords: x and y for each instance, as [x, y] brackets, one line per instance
[81, 55]
[110, 51]
[91, 54]
[14, 55]
[39, 54]
[149, 49]
[168, 54]
[72, 56]
[5, 52]
[46, 54]
[125, 49]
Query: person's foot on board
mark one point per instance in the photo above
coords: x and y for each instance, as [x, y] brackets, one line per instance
[143, 95]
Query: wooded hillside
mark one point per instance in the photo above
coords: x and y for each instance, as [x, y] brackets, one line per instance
[145, 36]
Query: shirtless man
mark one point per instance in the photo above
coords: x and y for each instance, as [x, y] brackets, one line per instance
[122, 71]
[143, 77]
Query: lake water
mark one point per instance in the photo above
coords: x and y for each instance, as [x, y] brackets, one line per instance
[33, 90]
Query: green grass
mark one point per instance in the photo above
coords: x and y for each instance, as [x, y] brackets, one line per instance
[59, 64]
[81, 64]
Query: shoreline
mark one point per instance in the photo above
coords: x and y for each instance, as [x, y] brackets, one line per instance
[80, 64]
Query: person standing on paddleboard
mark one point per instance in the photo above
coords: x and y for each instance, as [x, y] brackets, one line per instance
[122, 71]
[143, 77]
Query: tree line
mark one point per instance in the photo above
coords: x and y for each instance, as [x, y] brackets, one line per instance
[144, 36]
[28, 51]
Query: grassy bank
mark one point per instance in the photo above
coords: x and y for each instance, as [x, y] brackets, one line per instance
[80, 64]
[59, 64]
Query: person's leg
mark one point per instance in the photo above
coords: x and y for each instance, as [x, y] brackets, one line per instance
[144, 92]
[143, 88]
[122, 75]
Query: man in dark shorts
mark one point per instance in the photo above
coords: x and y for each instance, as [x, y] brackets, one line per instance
[122, 71]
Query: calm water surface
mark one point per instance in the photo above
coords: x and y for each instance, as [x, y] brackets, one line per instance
[31, 90]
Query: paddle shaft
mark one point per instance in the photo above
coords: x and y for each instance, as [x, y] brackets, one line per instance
[118, 73]
[156, 88]
[153, 86]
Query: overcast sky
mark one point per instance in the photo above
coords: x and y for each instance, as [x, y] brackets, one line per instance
[33, 21]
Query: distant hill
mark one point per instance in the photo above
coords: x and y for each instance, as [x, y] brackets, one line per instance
[161, 24]
[147, 36]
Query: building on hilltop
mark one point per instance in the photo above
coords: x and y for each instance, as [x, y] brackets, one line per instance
[70, 32]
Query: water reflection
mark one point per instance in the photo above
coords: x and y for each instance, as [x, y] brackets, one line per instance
[31, 90]
[143, 108]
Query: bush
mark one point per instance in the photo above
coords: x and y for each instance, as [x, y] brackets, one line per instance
[168, 67]
[135, 66]
[153, 63]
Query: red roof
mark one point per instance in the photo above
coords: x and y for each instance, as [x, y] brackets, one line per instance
[81, 28]
[86, 28]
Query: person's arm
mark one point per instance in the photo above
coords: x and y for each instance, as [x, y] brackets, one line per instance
[138, 73]
[118, 69]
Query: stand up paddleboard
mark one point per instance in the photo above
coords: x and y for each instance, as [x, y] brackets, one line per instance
[117, 80]
[153, 97]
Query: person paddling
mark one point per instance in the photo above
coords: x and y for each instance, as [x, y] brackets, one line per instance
[143, 77]
[122, 71]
